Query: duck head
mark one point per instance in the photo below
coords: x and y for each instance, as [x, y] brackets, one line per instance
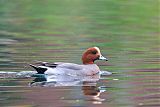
[92, 54]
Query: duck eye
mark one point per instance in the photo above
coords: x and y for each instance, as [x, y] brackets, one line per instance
[94, 52]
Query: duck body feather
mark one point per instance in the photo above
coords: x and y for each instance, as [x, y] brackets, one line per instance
[68, 69]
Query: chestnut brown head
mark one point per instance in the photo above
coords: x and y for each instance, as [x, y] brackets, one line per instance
[92, 54]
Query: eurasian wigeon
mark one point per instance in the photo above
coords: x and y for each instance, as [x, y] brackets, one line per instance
[87, 68]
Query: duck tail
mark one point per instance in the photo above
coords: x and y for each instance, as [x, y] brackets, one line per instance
[39, 69]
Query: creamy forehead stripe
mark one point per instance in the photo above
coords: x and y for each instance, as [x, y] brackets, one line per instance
[97, 49]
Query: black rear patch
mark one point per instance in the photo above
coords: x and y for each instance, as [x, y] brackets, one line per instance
[40, 70]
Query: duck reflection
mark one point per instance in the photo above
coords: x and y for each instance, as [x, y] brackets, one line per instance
[88, 84]
[64, 80]
[93, 92]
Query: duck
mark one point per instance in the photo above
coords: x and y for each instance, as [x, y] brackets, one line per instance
[88, 67]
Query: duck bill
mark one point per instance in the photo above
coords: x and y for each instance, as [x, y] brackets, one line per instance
[103, 58]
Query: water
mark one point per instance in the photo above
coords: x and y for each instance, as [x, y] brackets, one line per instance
[126, 31]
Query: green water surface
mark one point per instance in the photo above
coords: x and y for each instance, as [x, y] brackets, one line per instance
[126, 31]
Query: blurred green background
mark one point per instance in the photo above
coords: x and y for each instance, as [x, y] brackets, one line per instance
[52, 30]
